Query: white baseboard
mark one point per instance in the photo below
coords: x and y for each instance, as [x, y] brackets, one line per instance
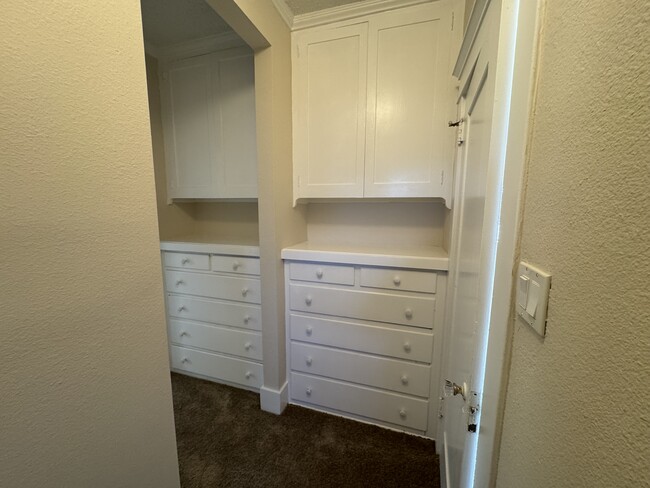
[274, 401]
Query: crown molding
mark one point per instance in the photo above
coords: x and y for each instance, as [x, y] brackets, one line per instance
[195, 47]
[284, 11]
[350, 11]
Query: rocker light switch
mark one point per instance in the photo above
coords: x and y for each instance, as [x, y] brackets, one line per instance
[533, 287]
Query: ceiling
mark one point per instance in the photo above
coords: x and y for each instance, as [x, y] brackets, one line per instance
[169, 22]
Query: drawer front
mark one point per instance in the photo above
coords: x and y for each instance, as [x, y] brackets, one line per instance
[213, 286]
[389, 374]
[219, 339]
[235, 264]
[204, 310]
[186, 260]
[405, 344]
[399, 279]
[217, 366]
[322, 273]
[367, 402]
[381, 307]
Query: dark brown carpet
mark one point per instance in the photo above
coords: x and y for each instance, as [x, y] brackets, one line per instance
[225, 440]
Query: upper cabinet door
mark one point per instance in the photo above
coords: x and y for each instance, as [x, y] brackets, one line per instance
[187, 88]
[409, 148]
[329, 111]
[235, 102]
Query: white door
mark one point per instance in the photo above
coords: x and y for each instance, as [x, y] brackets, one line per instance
[478, 194]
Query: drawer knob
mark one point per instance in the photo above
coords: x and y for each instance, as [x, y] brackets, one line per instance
[247, 318]
[319, 273]
[180, 282]
[309, 330]
[182, 308]
[244, 291]
[407, 346]
[408, 313]
[248, 375]
[308, 300]
[402, 413]
[185, 360]
[248, 345]
[183, 333]
[308, 391]
[309, 361]
[236, 265]
[405, 380]
[185, 261]
[397, 281]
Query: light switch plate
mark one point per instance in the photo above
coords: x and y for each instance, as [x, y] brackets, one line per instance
[532, 300]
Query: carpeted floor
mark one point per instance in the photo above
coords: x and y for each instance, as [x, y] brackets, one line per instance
[225, 440]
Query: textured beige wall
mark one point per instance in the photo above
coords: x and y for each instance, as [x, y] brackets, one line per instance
[86, 397]
[377, 224]
[577, 401]
[227, 220]
[176, 219]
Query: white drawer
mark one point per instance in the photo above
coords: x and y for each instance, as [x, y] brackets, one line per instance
[216, 366]
[389, 374]
[235, 264]
[186, 260]
[213, 286]
[381, 307]
[217, 312]
[219, 339]
[367, 402]
[399, 279]
[400, 343]
[322, 273]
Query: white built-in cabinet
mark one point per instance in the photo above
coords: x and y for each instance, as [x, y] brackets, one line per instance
[371, 100]
[208, 111]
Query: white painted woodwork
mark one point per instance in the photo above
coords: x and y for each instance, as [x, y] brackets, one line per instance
[186, 260]
[381, 307]
[215, 338]
[371, 403]
[235, 264]
[214, 311]
[398, 279]
[388, 374]
[322, 273]
[213, 285]
[199, 244]
[329, 104]
[408, 143]
[226, 368]
[208, 112]
[394, 341]
[403, 57]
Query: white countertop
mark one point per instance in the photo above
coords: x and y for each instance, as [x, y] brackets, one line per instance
[238, 247]
[423, 257]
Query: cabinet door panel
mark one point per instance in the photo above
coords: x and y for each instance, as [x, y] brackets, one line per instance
[329, 111]
[189, 128]
[409, 74]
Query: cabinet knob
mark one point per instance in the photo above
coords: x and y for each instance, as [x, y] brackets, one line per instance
[247, 318]
[244, 291]
[308, 300]
[319, 273]
[185, 360]
[185, 261]
[236, 265]
[405, 379]
[309, 360]
[407, 346]
[180, 282]
[408, 313]
[308, 391]
[183, 333]
[309, 330]
[402, 413]
[247, 346]
[248, 375]
[182, 308]
[397, 280]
